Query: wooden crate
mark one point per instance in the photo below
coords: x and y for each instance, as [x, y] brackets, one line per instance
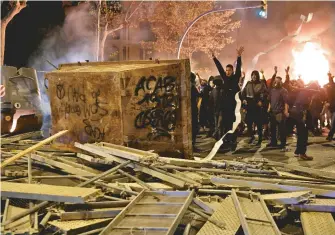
[142, 104]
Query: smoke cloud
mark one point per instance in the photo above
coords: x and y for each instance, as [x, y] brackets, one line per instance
[73, 41]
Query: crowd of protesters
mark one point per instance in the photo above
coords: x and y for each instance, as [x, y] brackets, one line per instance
[273, 108]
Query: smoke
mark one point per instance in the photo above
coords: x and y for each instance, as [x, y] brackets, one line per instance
[73, 41]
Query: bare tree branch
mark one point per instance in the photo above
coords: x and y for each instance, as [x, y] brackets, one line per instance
[14, 11]
[127, 19]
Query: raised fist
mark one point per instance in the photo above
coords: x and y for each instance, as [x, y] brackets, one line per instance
[240, 51]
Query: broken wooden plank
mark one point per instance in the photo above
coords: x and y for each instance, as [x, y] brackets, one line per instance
[316, 223]
[252, 183]
[44, 192]
[93, 160]
[18, 137]
[203, 205]
[110, 171]
[76, 227]
[94, 214]
[96, 205]
[171, 180]
[286, 198]
[63, 166]
[77, 165]
[316, 205]
[129, 153]
[308, 170]
[105, 154]
[32, 148]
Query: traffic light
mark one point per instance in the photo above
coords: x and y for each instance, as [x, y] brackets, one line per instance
[264, 10]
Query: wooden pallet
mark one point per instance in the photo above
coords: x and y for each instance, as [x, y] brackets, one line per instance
[152, 212]
[254, 216]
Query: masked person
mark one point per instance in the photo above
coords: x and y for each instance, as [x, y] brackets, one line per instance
[216, 97]
[230, 88]
[254, 96]
[330, 102]
[194, 108]
[278, 109]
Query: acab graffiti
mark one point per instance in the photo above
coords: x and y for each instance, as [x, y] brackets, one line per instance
[160, 95]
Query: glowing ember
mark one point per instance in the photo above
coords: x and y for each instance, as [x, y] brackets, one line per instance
[311, 64]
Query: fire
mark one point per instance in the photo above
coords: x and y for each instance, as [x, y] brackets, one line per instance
[311, 64]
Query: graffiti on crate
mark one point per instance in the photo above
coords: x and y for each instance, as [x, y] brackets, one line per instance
[87, 105]
[160, 101]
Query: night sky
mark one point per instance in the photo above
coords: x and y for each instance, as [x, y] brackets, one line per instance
[28, 28]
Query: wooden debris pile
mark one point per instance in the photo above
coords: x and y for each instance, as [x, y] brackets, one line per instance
[110, 189]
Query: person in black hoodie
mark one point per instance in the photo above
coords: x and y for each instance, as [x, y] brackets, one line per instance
[215, 100]
[254, 96]
[230, 88]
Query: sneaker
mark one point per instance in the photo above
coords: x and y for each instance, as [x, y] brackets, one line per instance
[305, 157]
[296, 155]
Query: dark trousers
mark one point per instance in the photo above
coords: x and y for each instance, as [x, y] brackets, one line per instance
[228, 118]
[255, 117]
[332, 129]
[194, 124]
[218, 122]
[277, 122]
[302, 133]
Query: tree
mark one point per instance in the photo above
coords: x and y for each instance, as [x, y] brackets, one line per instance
[15, 8]
[112, 16]
[169, 21]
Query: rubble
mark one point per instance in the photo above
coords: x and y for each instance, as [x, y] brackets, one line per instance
[103, 188]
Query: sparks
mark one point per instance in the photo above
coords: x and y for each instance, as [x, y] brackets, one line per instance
[311, 64]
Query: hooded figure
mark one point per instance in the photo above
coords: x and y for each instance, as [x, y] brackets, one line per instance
[254, 96]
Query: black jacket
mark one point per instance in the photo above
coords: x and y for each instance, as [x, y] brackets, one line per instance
[230, 84]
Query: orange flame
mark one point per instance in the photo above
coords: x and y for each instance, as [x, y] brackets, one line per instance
[311, 64]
